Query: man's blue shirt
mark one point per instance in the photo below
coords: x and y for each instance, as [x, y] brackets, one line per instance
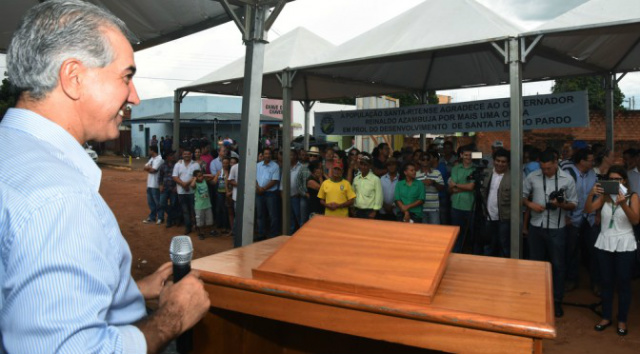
[584, 184]
[65, 275]
[267, 173]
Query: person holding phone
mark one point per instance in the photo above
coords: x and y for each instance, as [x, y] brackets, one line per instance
[616, 245]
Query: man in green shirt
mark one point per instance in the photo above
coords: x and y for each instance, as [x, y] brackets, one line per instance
[368, 190]
[462, 198]
[409, 196]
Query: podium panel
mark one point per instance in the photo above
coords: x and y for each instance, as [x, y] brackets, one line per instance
[482, 305]
[363, 257]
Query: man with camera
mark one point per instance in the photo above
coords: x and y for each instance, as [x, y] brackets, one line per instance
[496, 194]
[550, 192]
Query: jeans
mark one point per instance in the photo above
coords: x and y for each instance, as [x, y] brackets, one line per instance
[445, 210]
[222, 213]
[188, 209]
[550, 244]
[237, 238]
[500, 239]
[464, 220]
[153, 200]
[415, 218]
[363, 213]
[431, 217]
[580, 244]
[169, 203]
[616, 267]
[296, 217]
[268, 214]
[304, 210]
[386, 217]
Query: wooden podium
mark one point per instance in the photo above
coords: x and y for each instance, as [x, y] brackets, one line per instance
[344, 285]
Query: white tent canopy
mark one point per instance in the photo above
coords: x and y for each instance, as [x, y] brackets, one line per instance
[152, 21]
[435, 45]
[296, 48]
[601, 36]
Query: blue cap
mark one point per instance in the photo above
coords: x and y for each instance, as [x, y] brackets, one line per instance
[579, 144]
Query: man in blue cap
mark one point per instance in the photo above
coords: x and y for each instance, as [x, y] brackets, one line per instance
[575, 147]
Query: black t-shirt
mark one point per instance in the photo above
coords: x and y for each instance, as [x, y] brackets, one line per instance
[314, 201]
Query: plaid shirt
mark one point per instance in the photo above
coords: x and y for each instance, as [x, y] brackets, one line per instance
[165, 175]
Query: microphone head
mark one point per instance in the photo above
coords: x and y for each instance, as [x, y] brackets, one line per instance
[181, 250]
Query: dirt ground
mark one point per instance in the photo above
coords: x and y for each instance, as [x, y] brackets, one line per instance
[125, 192]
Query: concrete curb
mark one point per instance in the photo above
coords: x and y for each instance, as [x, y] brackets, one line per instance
[114, 166]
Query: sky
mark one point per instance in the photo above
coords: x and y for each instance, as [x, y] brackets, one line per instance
[164, 68]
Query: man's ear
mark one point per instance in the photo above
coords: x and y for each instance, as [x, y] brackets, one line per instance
[72, 74]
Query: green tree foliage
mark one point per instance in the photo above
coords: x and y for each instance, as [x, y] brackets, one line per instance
[8, 97]
[594, 86]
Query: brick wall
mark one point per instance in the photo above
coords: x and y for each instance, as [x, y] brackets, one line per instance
[626, 134]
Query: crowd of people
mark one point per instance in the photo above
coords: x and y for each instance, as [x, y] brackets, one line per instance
[565, 204]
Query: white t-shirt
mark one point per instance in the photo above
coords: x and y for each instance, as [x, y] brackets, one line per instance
[185, 173]
[492, 202]
[152, 178]
[233, 176]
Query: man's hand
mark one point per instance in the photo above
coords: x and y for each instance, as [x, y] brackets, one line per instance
[152, 285]
[181, 306]
[407, 216]
[186, 299]
[372, 215]
[536, 207]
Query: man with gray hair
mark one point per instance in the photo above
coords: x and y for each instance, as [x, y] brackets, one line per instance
[65, 270]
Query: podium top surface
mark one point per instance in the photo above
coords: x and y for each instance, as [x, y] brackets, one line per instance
[391, 260]
[494, 294]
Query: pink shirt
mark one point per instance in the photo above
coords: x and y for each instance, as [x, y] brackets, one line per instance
[207, 158]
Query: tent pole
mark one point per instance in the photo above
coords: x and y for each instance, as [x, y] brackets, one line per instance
[423, 136]
[609, 85]
[307, 105]
[250, 124]
[515, 80]
[177, 100]
[286, 79]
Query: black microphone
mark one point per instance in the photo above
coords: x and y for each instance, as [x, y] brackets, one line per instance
[181, 251]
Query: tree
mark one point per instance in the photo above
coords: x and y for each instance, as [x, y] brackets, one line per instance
[8, 97]
[594, 85]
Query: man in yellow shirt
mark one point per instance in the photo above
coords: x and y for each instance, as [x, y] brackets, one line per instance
[336, 194]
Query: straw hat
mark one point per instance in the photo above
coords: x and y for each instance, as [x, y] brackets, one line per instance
[314, 151]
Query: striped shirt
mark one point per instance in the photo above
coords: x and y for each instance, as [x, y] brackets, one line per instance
[431, 198]
[66, 269]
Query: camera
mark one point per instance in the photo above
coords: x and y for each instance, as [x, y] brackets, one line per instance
[558, 196]
[478, 174]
